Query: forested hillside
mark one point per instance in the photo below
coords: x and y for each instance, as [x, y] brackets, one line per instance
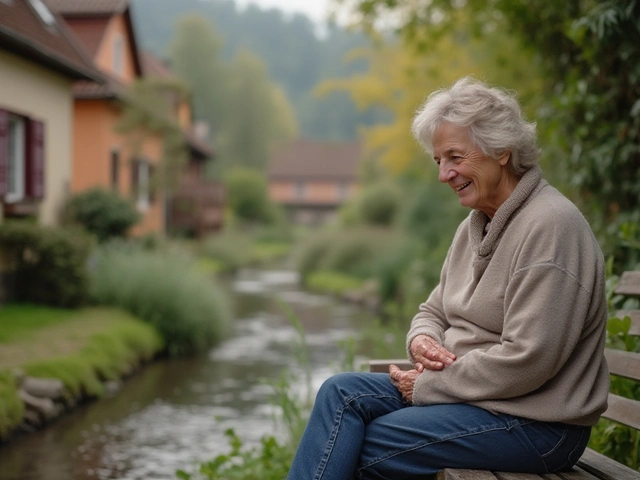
[294, 55]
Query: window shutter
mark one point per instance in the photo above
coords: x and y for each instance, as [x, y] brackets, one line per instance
[34, 177]
[4, 152]
[134, 179]
[153, 184]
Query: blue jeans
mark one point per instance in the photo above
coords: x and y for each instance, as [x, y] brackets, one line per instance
[360, 428]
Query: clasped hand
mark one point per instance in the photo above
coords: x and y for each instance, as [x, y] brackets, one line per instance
[426, 353]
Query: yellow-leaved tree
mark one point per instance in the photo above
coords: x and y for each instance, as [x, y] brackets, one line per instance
[401, 77]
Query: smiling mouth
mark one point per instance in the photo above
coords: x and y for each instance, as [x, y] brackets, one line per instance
[462, 187]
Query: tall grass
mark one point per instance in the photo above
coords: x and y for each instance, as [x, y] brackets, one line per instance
[166, 290]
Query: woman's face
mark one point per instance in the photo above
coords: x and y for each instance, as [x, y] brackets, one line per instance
[481, 183]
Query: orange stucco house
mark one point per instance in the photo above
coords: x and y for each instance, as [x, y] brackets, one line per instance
[103, 157]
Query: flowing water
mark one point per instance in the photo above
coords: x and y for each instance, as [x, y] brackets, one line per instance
[174, 412]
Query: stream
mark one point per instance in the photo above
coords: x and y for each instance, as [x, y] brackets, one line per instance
[174, 412]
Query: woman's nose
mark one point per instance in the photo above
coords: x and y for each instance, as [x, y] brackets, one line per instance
[446, 173]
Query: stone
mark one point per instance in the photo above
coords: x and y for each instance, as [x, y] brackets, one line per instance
[32, 418]
[45, 407]
[111, 388]
[43, 387]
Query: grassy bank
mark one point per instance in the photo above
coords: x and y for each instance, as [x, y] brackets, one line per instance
[83, 348]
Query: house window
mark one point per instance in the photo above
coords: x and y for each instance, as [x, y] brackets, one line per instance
[118, 54]
[301, 190]
[115, 169]
[21, 157]
[16, 159]
[141, 170]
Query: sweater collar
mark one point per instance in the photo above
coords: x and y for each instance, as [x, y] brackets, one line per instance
[485, 244]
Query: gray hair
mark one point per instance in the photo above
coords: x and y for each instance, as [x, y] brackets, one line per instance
[494, 118]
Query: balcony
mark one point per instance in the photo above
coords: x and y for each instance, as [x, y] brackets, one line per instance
[196, 209]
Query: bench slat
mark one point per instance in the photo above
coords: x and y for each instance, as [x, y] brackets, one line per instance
[605, 468]
[576, 474]
[522, 476]
[634, 315]
[382, 366]
[624, 364]
[623, 410]
[454, 474]
[629, 284]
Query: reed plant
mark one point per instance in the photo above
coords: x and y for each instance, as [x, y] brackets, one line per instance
[165, 289]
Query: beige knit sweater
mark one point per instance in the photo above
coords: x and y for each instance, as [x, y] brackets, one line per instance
[523, 307]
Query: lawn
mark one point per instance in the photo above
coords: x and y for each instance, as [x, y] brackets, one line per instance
[83, 348]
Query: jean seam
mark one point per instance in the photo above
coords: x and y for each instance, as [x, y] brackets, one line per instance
[334, 432]
[440, 440]
[557, 445]
[569, 462]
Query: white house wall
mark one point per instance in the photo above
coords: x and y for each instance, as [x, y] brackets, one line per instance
[31, 90]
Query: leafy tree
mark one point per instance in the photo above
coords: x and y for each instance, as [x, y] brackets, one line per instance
[260, 117]
[195, 54]
[249, 114]
[295, 56]
[589, 53]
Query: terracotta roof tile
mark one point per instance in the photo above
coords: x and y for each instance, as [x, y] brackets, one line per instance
[23, 32]
[88, 7]
[315, 159]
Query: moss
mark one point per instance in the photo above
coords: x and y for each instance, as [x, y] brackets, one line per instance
[107, 356]
[11, 407]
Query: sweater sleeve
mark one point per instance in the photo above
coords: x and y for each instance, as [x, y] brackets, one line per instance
[430, 319]
[545, 307]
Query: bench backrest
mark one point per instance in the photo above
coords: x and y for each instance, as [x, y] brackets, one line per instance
[626, 364]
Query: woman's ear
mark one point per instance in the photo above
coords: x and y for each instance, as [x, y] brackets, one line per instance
[504, 158]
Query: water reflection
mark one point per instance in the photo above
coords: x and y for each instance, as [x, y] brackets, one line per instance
[175, 412]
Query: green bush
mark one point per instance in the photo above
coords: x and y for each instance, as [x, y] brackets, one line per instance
[103, 213]
[247, 196]
[353, 251]
[47, 265]
[230, 248]
[378, 204]
[164, 289]
[332, 282]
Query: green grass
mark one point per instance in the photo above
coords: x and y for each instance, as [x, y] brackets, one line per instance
[326, 281]
[11, 407]
[82, 348]
[21, 321]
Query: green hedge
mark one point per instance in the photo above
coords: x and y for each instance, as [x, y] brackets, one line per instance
[47, 265]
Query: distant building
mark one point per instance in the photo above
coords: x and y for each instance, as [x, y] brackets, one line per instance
[312, 179]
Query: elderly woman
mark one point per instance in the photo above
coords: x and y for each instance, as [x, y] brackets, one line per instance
[509, 372]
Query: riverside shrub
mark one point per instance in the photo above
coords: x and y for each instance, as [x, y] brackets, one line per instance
[47, 264]
[165, 289]
[103, 213]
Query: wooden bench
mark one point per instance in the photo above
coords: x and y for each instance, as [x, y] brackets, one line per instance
[592, 465]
